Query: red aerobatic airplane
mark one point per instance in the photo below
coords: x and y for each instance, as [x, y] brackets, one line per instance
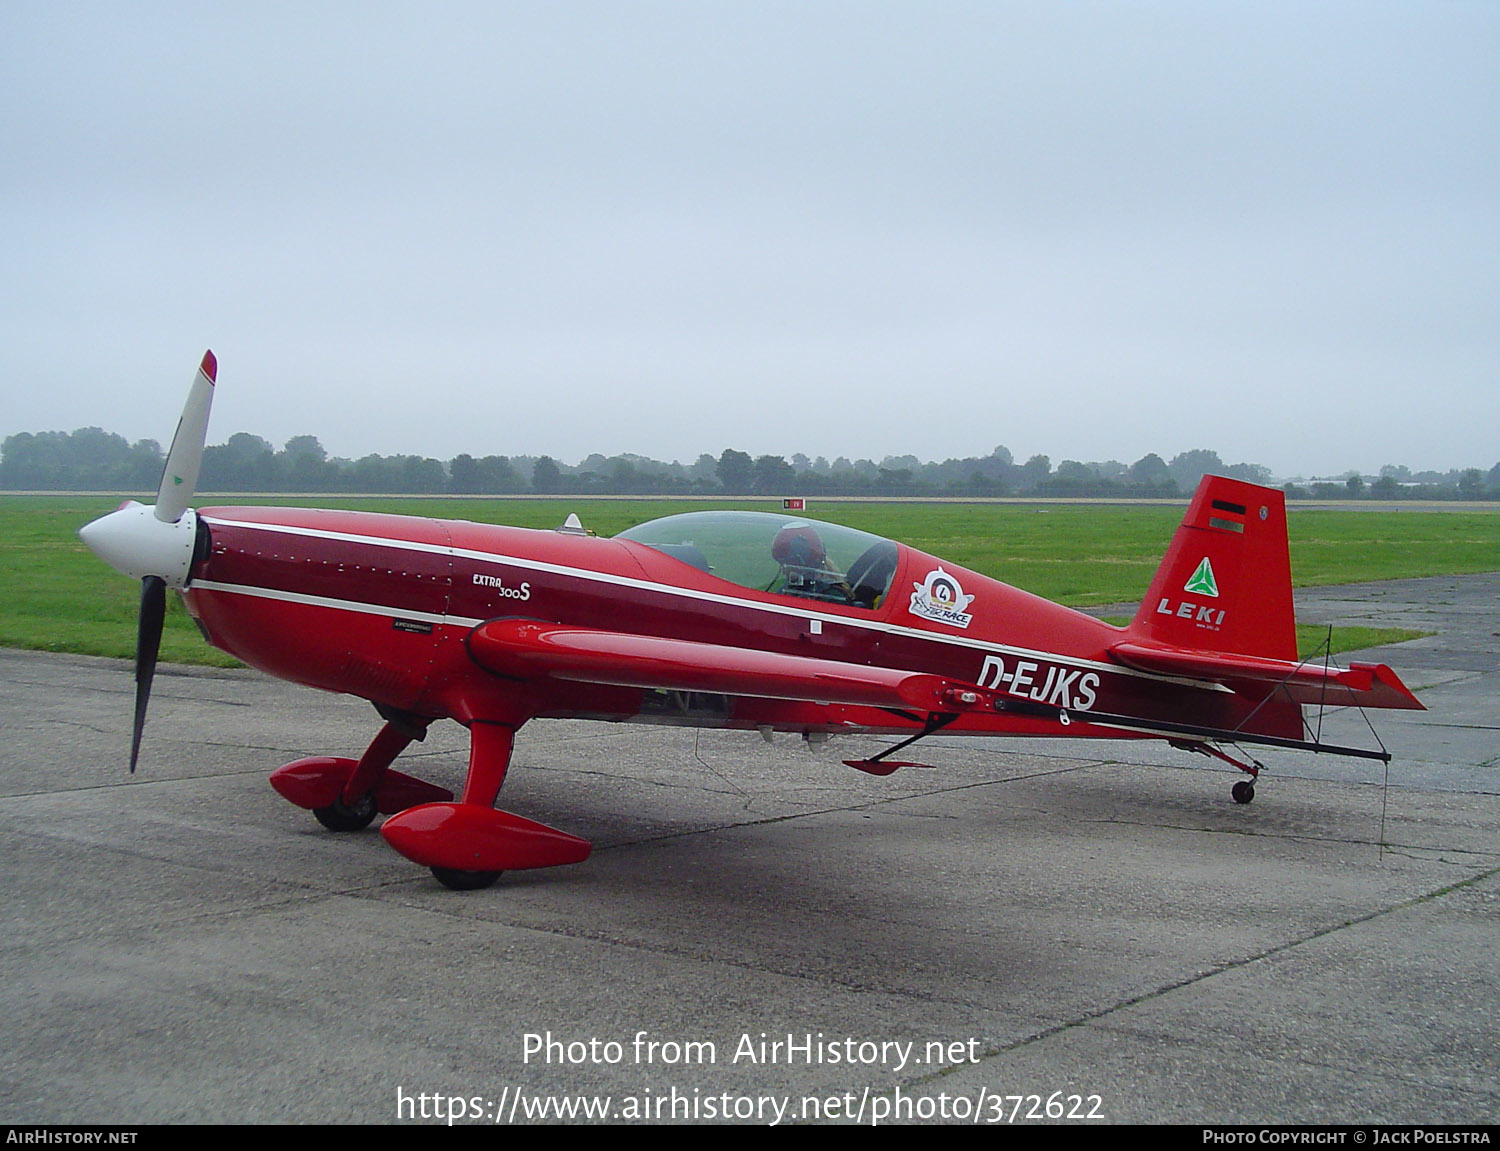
[716, 619]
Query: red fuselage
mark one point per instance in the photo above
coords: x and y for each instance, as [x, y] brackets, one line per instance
[381, 607]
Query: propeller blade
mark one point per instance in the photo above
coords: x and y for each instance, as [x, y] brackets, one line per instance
[159, 545]
[147, 645]
[180, 477]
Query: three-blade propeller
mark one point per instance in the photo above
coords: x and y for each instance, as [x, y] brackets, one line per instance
[158, 545]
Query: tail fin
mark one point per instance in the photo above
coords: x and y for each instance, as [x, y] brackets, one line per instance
[1225, 584]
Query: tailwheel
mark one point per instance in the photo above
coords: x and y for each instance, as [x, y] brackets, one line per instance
[341, 816]
[456, 880]
[1243, 791]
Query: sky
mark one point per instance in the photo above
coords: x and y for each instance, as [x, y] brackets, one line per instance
[1088, 230]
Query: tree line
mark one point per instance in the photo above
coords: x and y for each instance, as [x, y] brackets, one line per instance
[92, 459]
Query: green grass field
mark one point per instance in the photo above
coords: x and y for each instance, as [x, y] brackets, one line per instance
[59, 598]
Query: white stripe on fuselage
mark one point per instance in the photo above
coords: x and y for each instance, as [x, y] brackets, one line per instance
[641, 585]
[328, 602]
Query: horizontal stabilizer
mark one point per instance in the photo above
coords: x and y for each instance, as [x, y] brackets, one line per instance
[1361, 685]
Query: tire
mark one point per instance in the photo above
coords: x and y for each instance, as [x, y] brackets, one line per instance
[456, 880]
[338, 816]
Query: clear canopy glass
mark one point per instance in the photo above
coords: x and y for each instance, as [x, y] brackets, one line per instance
[780, 554]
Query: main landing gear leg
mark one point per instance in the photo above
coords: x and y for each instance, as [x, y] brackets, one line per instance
[355, 806]
[346, 794]
[490, 745]
[468, 844]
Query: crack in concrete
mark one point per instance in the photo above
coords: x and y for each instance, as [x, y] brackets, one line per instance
[1227, 967]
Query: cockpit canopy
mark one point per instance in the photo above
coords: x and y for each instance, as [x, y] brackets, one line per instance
[781, 554]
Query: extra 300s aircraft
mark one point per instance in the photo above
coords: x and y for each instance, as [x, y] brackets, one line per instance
[719, 619]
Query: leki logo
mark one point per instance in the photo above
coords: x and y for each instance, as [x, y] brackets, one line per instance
[941, 597]
[1202, 581]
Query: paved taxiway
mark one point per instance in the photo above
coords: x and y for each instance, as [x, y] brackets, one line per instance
[1098, 919]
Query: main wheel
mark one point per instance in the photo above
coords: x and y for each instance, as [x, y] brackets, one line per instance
[456, 880]
[1243, 791]
[339, 816]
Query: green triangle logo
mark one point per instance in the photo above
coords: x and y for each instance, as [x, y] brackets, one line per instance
[1202, 581]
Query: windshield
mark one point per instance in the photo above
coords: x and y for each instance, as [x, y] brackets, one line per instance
[781, 554]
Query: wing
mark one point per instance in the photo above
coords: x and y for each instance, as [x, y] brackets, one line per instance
[530, 650]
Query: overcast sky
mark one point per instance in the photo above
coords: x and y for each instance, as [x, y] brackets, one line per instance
[1091, 230]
